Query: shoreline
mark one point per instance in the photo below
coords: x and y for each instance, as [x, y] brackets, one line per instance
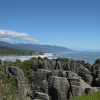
[13, 56]
[3, 56]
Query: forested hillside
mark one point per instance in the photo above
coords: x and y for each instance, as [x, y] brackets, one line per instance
[11, 51]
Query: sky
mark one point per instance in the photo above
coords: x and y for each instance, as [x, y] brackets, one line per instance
[74, 24]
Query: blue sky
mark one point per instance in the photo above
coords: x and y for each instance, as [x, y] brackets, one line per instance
[70, 23]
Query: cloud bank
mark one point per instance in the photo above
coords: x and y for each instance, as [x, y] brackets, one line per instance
[7, 35]
[5, 40]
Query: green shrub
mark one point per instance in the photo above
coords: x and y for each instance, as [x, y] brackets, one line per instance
[64, 59]
[97, 61]
[18, 61]
[45, 58]
[8, 63]
[14, 83]
[88, 65]
[28, 66]
[39, 58]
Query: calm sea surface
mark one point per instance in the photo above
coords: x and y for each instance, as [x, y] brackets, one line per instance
[87, 56]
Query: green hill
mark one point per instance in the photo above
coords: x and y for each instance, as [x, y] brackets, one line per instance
[11, 51]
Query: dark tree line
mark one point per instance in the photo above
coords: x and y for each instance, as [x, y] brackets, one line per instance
[11, 51]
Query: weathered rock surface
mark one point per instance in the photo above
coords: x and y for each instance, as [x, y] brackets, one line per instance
[39, 95]
[22, 85]
[56, 80]
[85, 74]
[65, 80]
[59, 88]
[78, 85]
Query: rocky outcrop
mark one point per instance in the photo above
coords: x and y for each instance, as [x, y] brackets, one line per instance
[22, 84]
[37, 53]
[78, 86]
[85, 74]
[55, 65]
[64, 80]
[55, 80]
[59, 88]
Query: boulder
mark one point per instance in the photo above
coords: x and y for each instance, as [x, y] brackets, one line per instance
[88, 79]
[59, 88]
[40, 75]
[83, 71]
[78, 86]
[52, 64]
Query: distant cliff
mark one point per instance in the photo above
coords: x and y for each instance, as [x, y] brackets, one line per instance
[37, 53]
[45, 79]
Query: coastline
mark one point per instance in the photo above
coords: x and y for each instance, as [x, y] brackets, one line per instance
[87, 57]
[13, 56]
[4, 56]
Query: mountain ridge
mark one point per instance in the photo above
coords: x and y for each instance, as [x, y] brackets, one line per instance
[37, 47]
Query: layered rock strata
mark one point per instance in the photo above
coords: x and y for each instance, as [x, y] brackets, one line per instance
[55, 80]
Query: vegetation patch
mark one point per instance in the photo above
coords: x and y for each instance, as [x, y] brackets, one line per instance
[91, 96]
[8, 86]
[64, 59]
[88, 65]
[97, 61]
[10, 51]
[27, 66]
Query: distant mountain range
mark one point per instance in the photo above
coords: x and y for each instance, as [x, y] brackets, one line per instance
[36, 47]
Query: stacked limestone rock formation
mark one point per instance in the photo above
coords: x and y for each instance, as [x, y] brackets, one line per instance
[22, 85]
[56, 80]
[62, 80]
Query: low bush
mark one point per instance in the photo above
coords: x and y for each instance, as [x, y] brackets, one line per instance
[64, 59]
[97, 61]
[88, 65]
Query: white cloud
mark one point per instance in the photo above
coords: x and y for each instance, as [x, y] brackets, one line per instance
[6, 40]
[7, 34]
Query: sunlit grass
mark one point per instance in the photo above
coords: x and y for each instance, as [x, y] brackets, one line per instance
[91, 96]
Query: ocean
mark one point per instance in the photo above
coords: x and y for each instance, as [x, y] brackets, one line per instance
[86, 56]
